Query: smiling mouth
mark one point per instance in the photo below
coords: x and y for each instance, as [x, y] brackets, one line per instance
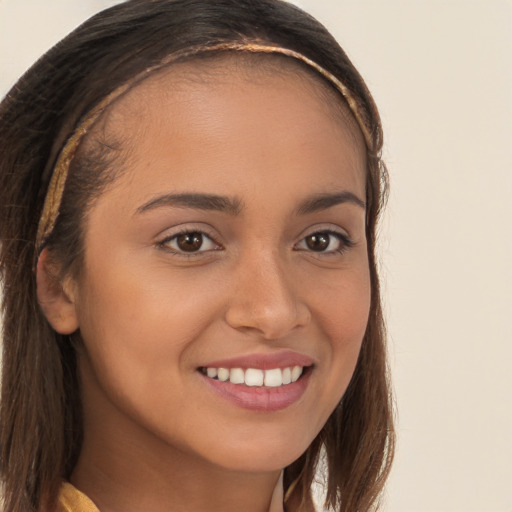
[255, 377]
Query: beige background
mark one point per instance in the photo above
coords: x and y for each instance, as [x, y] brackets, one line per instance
[441, 73]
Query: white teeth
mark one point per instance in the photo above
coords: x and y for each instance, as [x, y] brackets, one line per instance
[296, 372]
[236, 376]
[272, 378]
[253, 377]
[223, 374]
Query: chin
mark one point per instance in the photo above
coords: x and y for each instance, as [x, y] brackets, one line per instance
[260, 456]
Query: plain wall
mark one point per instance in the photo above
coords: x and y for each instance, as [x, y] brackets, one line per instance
[441, 73]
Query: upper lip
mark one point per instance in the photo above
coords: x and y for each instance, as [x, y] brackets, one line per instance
[263, 361]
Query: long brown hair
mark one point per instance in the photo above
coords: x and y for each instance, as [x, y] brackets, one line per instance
[41, 424]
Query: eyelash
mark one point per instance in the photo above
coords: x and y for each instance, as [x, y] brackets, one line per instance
[344, 241]
[165, 243]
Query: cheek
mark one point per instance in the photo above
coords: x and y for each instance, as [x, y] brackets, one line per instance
[135, 325]
[139, 331]
[342, 315]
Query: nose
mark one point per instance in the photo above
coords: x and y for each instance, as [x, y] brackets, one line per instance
[265, 299]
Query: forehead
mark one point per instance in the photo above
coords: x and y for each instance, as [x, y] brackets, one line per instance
[268, 138]
[205, 118]
[227, 70]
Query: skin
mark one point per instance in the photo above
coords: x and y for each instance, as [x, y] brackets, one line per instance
[156, 437]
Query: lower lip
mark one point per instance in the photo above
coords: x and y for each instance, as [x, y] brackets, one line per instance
[261, 398]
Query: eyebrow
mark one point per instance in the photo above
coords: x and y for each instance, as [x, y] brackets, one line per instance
[324, 201]
[232, 206]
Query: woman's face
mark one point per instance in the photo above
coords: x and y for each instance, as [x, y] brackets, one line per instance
[232, 246]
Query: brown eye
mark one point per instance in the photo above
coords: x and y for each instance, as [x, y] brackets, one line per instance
[327, 242]
[318, 241]
[189, 242]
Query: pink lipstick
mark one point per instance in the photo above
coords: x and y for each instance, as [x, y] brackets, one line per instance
[261, 382]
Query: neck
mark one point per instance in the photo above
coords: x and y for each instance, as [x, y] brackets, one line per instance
[129, 483]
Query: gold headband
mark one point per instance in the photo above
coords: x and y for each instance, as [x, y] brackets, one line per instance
[57, 183]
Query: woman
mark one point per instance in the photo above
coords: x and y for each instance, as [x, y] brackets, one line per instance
[190, 191]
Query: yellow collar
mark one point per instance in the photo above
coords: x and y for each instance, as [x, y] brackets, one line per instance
[72, 500]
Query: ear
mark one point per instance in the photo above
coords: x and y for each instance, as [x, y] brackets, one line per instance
[56, 297]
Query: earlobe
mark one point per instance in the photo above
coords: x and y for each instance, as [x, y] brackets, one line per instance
[56, 300]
